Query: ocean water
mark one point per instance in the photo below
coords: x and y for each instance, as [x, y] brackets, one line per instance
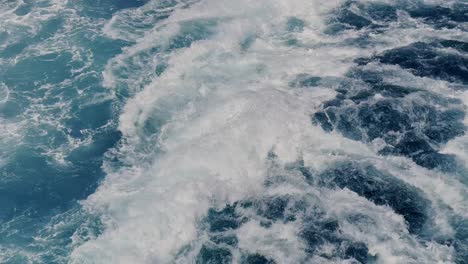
[220, 131]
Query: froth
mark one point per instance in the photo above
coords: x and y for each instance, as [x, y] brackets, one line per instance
[197, 133]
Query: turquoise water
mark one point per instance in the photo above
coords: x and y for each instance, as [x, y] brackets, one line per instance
[56, 124]
[184, 131]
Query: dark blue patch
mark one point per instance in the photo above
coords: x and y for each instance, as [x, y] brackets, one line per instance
[455, 44]
[359, 252]
[351, 19]
[426, 59]
[440, 16]
[224, 219]
[274, 208]
[380, 12]
[317, 232]
[382, 189]
[213, 255]
[316, 229]
[413, 128]
[322, 119]
[460, 242]
[255, 259]
[226, 239]
[358, 16]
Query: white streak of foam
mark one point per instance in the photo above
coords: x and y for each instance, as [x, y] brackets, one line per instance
[4, 93]
[459, 145]
[383, 230]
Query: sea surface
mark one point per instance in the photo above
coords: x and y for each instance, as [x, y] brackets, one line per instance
[233, 131]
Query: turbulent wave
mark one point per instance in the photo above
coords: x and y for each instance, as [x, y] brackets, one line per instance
[216, 131]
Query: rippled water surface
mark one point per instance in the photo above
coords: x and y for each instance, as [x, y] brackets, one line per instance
[220, 131]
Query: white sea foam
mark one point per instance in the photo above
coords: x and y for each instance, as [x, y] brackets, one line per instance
[459, 146]
[210, 119]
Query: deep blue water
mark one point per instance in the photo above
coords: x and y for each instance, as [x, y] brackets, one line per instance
[180, 131]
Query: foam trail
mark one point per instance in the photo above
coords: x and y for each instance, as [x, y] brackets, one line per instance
[225, 94]
[197, 135]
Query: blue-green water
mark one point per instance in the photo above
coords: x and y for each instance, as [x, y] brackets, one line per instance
[185, 131]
